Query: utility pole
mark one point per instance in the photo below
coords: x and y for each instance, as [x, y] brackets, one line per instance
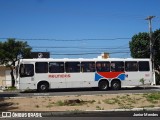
[149, 18]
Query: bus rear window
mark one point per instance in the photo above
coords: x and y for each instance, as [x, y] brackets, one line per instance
[143, 66]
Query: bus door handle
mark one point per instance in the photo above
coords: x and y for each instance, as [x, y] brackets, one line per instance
[32, 79]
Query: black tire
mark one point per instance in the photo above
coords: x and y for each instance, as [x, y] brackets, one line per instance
[116, 85]
[43, 87]
[103, 85]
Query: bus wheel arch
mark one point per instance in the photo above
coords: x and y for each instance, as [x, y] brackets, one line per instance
[115, 84]
[103, 84]
[43, 86]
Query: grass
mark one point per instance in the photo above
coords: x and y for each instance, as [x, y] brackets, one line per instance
[111, 101]
[153, 97]
[60, 103]
[49, 105]
[91, 101]
[10, 88]
[122, 106]
[148, 106]
[99, 108]
[124, 102]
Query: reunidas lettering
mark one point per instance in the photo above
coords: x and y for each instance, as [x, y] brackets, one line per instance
[60, 76]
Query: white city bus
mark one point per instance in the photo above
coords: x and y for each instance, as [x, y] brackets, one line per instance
[44, 74]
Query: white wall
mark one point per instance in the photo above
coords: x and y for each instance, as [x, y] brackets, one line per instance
[8, 78]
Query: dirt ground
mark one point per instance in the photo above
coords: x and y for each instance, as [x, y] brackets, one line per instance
[80, 103]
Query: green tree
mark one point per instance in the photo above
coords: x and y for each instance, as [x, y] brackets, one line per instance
[156, 46]
[140, 47]
[9, 52]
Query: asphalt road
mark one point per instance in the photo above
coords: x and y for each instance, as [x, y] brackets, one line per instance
[84, 91]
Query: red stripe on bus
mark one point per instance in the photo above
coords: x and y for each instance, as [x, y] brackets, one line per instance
[110, 74]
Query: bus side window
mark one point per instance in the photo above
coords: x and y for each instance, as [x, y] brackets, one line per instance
[41, 67]
[102, 66]
[56, 67]
[98, 67]
[117, 66]
[131, 66]
[144, 66]
[72, 67]
[88, 67]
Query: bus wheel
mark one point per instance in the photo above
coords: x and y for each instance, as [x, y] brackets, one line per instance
[115, 85]
[43, 87]
[103, 85]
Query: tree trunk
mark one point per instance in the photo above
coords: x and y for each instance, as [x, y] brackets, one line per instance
[12, 74]
[12, 77]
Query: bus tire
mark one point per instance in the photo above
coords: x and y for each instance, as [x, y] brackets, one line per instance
[103, 85]
[115, 85]
[43, 87]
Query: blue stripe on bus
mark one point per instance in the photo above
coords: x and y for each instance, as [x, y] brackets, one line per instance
[121, 76]
[97, 77]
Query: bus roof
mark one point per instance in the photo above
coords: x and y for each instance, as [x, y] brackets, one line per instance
[83, 59]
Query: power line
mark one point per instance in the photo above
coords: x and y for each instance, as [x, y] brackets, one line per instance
[72, 47]
[75, 47]
[52, 39]
[86, 53]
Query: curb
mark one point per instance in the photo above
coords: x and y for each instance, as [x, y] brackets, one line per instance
[100, 112]
[133, 109]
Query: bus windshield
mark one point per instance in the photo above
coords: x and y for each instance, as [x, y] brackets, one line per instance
[26, 70]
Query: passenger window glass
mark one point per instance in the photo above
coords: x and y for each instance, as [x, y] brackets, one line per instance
[143, 66]
[102, 66]
[41, 67]
[117, 66]
[72, 67]
[131, 66]
[88, 66]
[56, 67]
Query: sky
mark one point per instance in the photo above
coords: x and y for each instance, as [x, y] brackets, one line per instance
[77, 28]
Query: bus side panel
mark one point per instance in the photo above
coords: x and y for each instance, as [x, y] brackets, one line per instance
[89, 80]
[27, 83]
[55, 80]
[81, 80]
[133, 78]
